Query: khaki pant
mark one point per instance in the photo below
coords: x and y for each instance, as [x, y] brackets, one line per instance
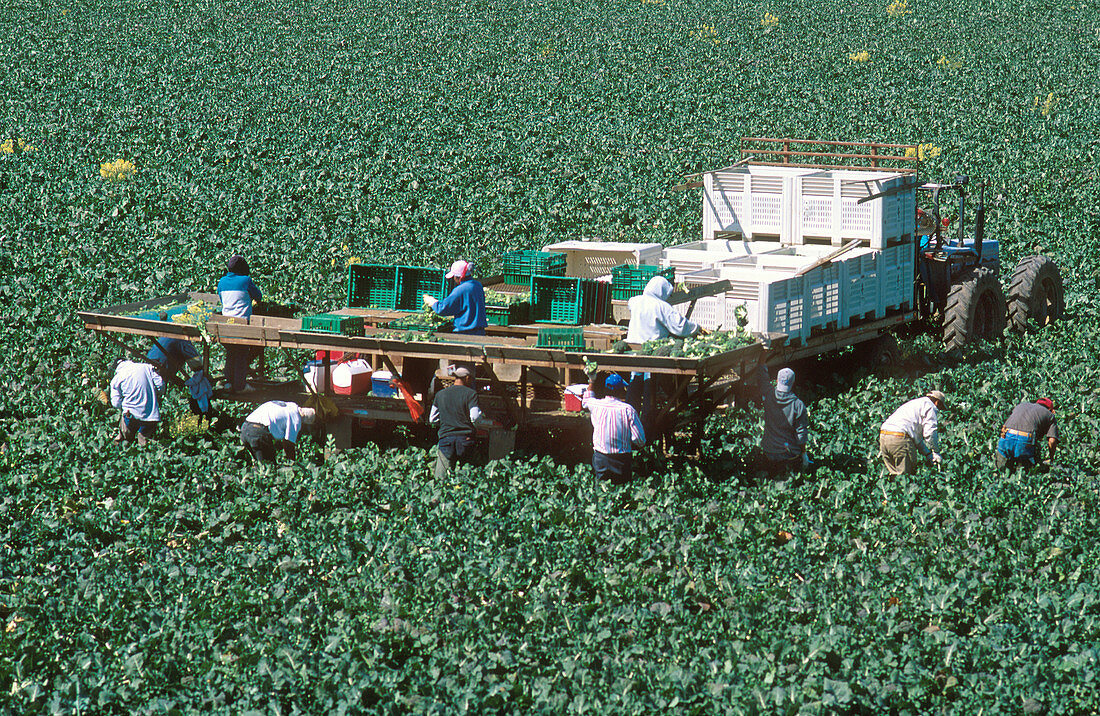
[899, 454]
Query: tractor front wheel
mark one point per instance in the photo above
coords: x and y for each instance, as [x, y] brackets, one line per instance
[975, 310]
[1035, 293]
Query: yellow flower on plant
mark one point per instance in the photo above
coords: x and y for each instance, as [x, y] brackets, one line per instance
[1047, 105]
[352, 260]
[117, 170]
[898, 8]
[11, 146]
[653, 2]
[924, 151]
[859, 56]
[769, 21]
[948, 63]
[706, 33]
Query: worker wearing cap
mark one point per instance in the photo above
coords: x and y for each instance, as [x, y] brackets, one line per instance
[465, 302]
[455, 412]
[274, 425]
[616, 428]
[135, 390]
[171, 353]
[786, 423]
[910, 432]
[1020, 435]
[237, 292]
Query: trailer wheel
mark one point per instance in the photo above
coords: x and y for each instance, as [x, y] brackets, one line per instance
[975, 310]
[1035, 293]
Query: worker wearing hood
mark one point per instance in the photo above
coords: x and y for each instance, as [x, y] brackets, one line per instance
[652, 317]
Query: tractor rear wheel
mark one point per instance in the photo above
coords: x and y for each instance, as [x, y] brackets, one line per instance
[1035, 293]
[975, 310]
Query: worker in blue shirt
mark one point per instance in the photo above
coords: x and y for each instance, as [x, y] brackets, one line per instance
[171, 353]
[237, 292]
[466, 301]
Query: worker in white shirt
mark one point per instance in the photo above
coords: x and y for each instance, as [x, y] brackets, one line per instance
[652, 317]
[910, 432]
[274, 425]
[136, 390]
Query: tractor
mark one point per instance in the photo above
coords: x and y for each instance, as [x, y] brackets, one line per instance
[957, 282]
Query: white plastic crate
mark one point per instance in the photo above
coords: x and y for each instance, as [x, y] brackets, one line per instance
[798, 204]
[897, 271]
[718, 312]
[698, 255]
[592, 259]
[863, 287]
[749, 200]
[827, 206]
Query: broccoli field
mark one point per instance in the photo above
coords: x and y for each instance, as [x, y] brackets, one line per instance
[142, 143]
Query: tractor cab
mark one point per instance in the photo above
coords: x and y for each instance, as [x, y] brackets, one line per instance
[946, 250]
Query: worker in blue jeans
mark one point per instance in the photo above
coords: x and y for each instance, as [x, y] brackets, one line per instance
[1026, 425]
[455, 412]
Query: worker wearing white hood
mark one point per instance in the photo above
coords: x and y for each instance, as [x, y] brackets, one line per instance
[651, 315]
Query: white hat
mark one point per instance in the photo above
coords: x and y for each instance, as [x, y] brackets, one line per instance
[460, 269]
[784, 379]
[308, 414]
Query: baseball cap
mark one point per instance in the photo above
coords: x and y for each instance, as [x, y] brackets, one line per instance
[1046, 403]
[784, 379]
[459, 371]
[460, 269]
[614, 381]
[937, 396]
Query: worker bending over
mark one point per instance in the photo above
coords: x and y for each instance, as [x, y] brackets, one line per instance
[272, 426]
[455, 412]
[912, 430]
[786, 424]
[1027, 423]
[236, 291]
[616, 429]
[171, 353]
[465, 302]
[135, 390]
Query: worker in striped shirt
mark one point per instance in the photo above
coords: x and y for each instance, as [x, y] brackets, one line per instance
[616, 428]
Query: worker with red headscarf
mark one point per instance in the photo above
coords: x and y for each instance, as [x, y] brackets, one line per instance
[1026, 425]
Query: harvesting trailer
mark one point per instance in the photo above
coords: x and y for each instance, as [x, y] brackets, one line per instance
[817, 241]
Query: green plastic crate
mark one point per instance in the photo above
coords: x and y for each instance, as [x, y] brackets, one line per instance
[331, 323]
[508, 315]
[563, 299]
[372, 286]
[628, 281]
[519, 266]
[414, 281]
[563, 339]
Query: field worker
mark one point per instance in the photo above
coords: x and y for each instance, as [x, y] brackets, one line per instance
[786, 424]
[616, 428]
[1027, 423]
[274, 425]
[653, 317]
[455, 412]
[136, 390]
[911, 431]
[465, 302]
[237, 292]
[171, 353]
